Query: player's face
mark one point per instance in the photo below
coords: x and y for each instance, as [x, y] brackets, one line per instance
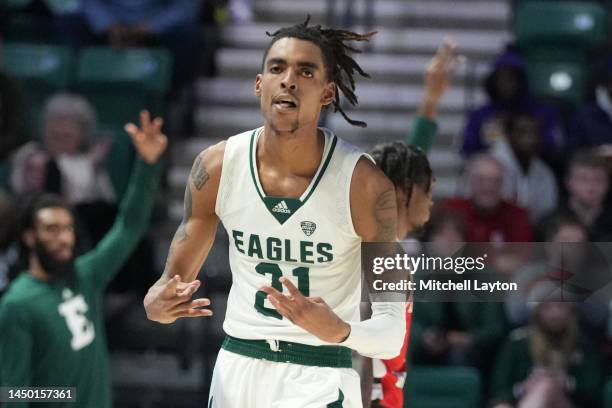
[54, 233]
[293, 86]
[419, 207]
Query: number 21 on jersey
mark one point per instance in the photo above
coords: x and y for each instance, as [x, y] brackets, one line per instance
[275, 272]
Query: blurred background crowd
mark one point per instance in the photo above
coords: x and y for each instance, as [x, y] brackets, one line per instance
[523, 153]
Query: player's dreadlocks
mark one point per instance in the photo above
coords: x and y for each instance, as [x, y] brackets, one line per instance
[340, 67]
[406, 166]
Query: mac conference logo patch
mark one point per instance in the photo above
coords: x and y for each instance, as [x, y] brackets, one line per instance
[308, 227]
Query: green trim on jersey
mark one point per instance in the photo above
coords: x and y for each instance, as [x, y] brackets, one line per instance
[325, 164]
[338, 402]
[288, 352]
[282, 208]
[251, 164]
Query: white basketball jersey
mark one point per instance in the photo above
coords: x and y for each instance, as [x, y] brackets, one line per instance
[310, 240]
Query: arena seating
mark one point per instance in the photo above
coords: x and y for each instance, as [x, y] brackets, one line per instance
[44, 69]
[443, 387]
[119, 83]
[557, 52]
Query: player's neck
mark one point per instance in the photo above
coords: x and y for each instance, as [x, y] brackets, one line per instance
[36, 269]
[298, 152]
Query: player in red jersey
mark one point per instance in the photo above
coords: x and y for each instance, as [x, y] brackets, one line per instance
[407, 166]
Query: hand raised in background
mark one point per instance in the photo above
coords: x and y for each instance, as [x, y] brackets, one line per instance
[438, 74]
[148, 139]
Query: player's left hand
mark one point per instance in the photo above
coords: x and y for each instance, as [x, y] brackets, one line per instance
[148, 139]
[310, 313]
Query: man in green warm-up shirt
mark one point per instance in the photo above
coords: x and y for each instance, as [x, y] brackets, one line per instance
[51, 326]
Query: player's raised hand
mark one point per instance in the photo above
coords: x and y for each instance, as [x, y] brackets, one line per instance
[439, 70]
[438, 75]
[148, 139]
[310, 313]
[167, 302]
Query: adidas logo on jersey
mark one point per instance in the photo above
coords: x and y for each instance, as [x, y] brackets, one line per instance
[281, 208]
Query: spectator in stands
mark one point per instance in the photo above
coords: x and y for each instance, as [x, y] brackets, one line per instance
[51, 315]
[31, 172]
[69, 123]
[172, 24]
[488, 216]
[528, 181]
[446, 329]
[549, 363]
[591, 125]
[572, 269]
[587, 182]
[508, 91]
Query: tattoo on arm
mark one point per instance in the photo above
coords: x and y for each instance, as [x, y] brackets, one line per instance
[385, 213]
[199, 175]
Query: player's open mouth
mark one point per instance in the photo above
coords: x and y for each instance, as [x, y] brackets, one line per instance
[285, 103]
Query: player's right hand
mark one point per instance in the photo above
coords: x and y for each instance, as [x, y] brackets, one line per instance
[439, 70]
[167, 302]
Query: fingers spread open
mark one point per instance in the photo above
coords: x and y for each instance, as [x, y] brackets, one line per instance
[163, 141]
[145, 121]
[275, 294]
[195, 313]
[188, 289]
[270, 290]
[296, 295]
[157, 125]
[192, 304]
[284, 308]
[290, 286]
[170, 288]
[131, 129]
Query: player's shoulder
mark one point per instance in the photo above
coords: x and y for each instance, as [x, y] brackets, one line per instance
[209, 162]
[369, 179]
[22, 291]
[213, 154]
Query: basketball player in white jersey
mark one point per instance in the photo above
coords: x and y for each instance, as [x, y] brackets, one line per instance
[297, 202]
